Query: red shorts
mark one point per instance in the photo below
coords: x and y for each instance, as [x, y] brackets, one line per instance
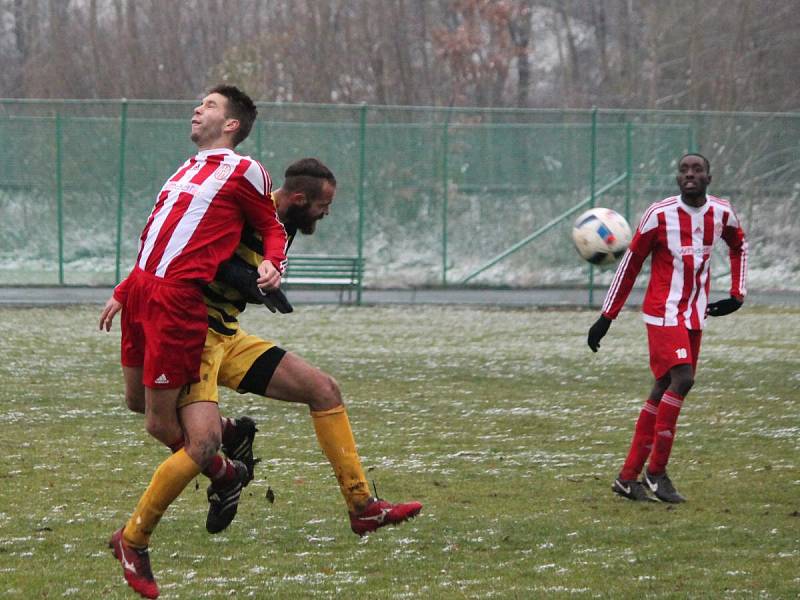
[164, 326]
[670, 346]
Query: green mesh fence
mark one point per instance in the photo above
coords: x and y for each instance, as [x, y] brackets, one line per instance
[428, 197]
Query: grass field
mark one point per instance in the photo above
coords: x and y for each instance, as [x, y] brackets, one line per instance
[501, 422]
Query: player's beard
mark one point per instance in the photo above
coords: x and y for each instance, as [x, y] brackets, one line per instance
[299, 216]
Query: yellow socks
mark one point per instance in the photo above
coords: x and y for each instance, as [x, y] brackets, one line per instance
[174, 474]
[169, 480]
[337, 442]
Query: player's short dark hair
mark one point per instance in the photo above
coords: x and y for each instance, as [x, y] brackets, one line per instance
[697, 154]
[307, 175]
[240, 107]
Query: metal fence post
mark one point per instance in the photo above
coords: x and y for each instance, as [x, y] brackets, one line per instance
[628, 167]
[362, 168]
[59, 200]
[592, 182]
[123, 130]
[445, 192]
[259, 142]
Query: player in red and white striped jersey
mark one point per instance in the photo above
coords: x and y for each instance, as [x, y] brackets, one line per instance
[195, 225]
[679, 234]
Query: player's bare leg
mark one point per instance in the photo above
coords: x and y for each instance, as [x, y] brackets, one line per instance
[660, 386]
[202, 442]
[295, 380]
[130, 544]
[203, 437]
[237, 445]
[201, 430]
[160, 415]
[134, 388]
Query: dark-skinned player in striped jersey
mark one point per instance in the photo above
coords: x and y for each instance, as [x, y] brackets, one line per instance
[678, 234]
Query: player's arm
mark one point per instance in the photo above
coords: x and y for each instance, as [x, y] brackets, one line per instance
[112, 307]
[733, 234]
[621, 286]
[114, 304]
[269, 278]
[724, 307]
[121, 290]
[255, 195]
[242, 277]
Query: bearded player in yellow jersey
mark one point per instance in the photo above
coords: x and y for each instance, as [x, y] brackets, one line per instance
[249, 364]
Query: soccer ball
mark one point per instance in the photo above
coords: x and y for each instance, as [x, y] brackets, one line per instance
[601, 236]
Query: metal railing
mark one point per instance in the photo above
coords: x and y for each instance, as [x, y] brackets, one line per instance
[426, 196]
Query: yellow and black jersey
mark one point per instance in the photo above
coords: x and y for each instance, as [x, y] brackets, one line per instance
[223, 301]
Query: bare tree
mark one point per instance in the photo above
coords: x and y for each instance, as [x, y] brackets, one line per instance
[715, 54]
[519, 26]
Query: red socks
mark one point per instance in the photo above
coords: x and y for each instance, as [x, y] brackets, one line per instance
[666, 422]
[642, 442]
[227, 427]
[653, 436]
[220, 470]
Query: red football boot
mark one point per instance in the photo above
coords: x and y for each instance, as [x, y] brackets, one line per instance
[135, 566]
[380, 513]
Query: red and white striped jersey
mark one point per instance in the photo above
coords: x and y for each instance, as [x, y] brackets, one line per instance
[680, 239]
[198, 217]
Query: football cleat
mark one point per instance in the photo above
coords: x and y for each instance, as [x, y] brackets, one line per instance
[223, 503]
[662, 487]
[631, 489]
[379, 513]
[135, 565]
[238, 445]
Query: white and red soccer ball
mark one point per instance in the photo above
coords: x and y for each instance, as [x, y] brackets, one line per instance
[601, 236]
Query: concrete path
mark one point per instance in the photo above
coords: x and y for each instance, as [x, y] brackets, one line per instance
[549, 297]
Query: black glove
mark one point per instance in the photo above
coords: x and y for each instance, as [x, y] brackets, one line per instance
[276, 300]
[243, 278]
[597, 331]
[723, 307]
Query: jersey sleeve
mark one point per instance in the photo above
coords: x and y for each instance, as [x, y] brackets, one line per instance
[259, 209]
[628, 269]
[121, 291]
[734, 236]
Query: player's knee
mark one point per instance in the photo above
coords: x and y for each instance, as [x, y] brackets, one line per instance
[203, 450]
[326, 394]
[657, 392]
[682, 383]
[159, 431]
[135, 402]
[685, 385]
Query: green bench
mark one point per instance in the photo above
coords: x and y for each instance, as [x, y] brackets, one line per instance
[344, 273]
